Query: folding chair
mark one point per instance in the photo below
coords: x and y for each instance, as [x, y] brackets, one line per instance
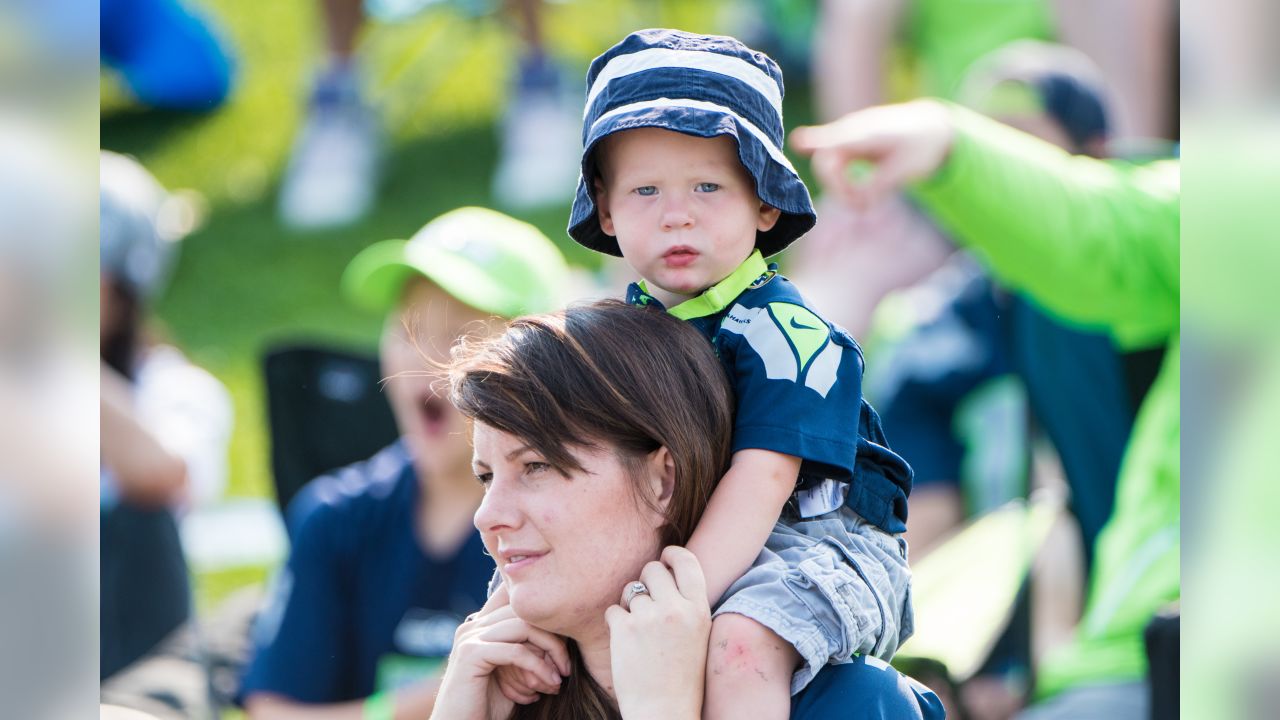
[325, 410]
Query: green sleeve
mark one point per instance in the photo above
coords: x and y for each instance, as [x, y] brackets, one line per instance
[1093, 242]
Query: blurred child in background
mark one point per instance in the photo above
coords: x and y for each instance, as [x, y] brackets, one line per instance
[386, 562]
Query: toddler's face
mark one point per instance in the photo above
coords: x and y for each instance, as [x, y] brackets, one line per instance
[683, 208]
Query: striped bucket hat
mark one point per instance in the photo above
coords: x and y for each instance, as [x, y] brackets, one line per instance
[701, 85]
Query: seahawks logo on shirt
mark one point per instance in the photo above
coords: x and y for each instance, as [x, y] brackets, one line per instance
[793, 343]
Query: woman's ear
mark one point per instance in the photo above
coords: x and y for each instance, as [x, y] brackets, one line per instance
[768, 217]
[662, 477]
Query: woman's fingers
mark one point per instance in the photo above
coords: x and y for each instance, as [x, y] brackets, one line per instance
[545, 645]
[677, 575]
[495, 609]
[686, 572]
[657, 579]
[552, 645]
[515, 630]
[514, 688]
[497, 654]
[498, 599]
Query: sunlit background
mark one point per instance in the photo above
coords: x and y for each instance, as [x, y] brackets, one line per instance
[438, 76]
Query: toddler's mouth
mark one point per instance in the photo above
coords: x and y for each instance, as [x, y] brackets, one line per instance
[680, 256]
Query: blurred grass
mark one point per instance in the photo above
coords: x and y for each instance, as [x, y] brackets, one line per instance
[243, 282]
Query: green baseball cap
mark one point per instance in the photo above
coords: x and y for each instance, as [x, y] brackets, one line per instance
[490, 261]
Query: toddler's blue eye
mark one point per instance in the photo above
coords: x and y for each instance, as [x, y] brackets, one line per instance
[647, 190]
[707, 187]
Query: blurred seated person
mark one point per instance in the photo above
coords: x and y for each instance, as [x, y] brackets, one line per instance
[165, 423]
[386, 562]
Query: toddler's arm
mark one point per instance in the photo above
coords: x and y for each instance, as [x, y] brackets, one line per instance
[740, 515]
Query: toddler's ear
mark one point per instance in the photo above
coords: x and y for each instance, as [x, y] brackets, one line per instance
[768, 217]
[602, 207]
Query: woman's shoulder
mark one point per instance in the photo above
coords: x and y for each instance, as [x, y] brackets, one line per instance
[866, 688]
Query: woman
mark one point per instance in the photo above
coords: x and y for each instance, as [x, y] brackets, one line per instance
[599, 433]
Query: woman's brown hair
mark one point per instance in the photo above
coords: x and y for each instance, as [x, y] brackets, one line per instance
[613, 376]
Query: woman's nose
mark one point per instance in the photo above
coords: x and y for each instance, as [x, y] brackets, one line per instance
[498, 509]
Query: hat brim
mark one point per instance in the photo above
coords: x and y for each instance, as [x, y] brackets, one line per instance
[375, 279]
[776, 184]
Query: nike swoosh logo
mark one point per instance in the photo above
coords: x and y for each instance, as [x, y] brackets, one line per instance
[798, 326]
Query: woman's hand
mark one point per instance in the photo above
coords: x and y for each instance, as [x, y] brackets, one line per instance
[658, 645]
[491, 639]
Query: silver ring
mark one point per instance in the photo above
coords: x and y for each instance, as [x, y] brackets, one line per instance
[634, 590]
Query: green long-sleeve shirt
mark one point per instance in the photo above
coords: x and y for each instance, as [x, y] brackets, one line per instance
[1097, 244]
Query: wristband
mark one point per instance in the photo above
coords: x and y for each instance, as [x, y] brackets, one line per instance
[379, 706]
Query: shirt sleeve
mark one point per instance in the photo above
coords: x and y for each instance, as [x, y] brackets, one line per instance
[798, 384]
[1109, 231]
[301, 647]
[191, 414]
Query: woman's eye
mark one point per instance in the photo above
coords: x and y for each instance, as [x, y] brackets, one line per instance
[646, 190]
[706, 187]
[484, 478]
[536, 467]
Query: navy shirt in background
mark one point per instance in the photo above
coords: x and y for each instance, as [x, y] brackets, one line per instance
[958, 389]
[360, 607]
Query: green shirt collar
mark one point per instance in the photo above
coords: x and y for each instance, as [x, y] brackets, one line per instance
[718, 296]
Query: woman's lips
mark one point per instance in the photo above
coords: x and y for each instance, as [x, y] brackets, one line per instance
[516, 562]
[678, 257]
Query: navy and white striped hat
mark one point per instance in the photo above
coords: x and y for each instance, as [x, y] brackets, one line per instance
[702, 85]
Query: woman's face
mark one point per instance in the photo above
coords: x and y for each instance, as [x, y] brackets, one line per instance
[565, 545]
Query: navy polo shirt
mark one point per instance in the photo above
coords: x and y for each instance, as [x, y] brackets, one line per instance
[798, 381]
[360, 607]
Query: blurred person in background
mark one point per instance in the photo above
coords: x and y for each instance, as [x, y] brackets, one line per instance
[386, 562]
[1093, 243]
[165, 423]
[864, 51]
[332, 175]
[972, 374]
[168, 54]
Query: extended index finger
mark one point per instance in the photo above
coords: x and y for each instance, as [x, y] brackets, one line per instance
[497, 600]
[687, 572]
[842, 135]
